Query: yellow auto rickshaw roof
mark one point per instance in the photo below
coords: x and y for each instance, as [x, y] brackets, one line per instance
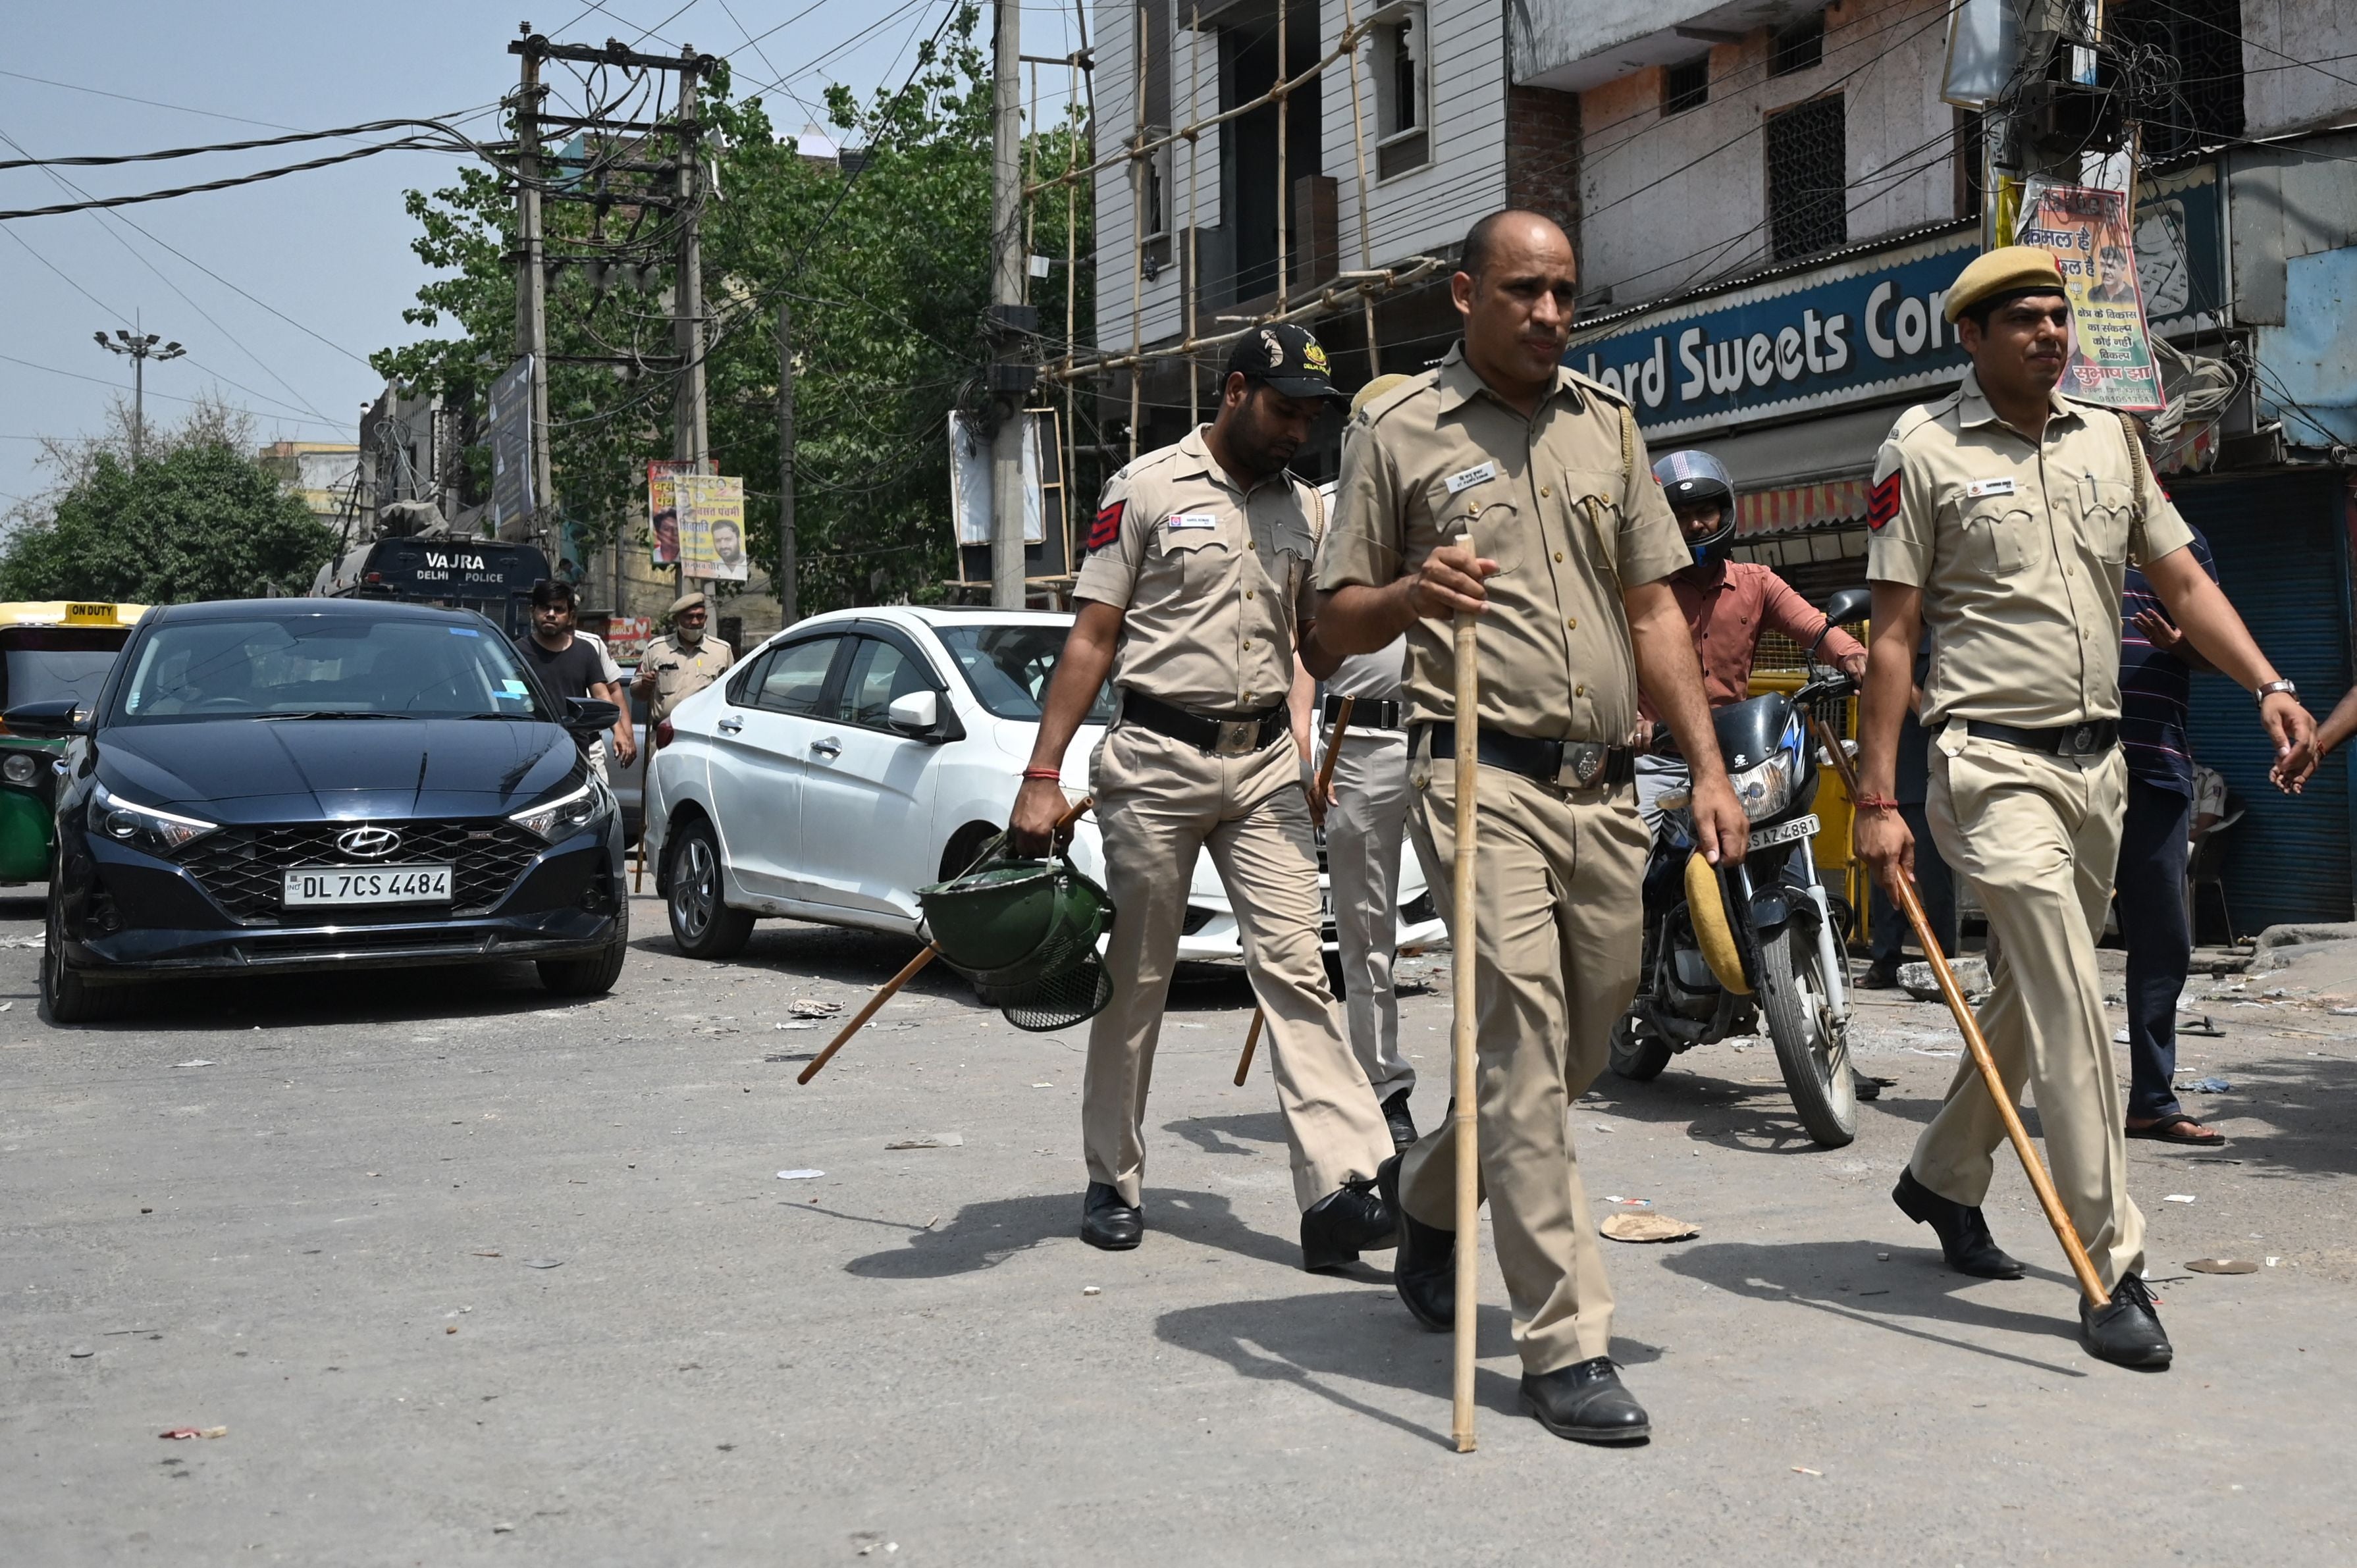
[69, 612]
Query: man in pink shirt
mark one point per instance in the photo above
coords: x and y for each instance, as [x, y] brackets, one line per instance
[1727, 605]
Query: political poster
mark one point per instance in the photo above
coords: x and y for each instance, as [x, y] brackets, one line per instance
[512, 500]
[663, 510]
[2095, 243]
[711, 527]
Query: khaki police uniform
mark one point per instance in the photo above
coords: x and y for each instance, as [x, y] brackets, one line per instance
[681, 671]
[1365, 828]
[1210, 577]
[1564, 502]
[2018, 546]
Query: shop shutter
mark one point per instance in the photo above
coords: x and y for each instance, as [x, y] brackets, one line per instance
[2278, 544]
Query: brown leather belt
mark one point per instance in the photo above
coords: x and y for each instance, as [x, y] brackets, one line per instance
[1213, 734]
[1566, 764]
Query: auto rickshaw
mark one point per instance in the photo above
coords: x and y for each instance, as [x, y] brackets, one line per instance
[49, 650]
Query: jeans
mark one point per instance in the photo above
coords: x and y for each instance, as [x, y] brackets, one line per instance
[1934, 886]
[2150, 883]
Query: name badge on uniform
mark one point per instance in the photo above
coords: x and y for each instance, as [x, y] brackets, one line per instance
[1186, 520]
[1471, 477]
[1979, 488]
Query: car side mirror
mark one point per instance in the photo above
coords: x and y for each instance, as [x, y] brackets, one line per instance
[1848, 604]
[51, 720]
[590, 716]
[916, 714]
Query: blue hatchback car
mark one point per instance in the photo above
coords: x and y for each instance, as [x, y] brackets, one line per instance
[310, 784]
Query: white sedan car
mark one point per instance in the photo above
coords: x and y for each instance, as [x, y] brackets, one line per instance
[859, 755]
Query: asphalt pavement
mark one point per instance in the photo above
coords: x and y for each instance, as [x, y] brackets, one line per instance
[472, 1275]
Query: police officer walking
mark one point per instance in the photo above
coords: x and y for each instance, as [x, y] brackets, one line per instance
[1503, 485]
[684, 661]
[1196, 584]
[2003, 518]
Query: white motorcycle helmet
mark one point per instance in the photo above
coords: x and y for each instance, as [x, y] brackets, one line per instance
[1692, 478]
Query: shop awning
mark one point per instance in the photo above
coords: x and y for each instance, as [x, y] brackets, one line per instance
[1797, 507]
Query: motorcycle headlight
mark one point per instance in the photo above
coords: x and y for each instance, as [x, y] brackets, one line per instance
[150, 828]
[552, 820]
[1766, 789]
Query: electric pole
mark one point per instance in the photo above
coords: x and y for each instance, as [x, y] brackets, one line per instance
[691, 438]
[1012, 318]
[531, 277]
[142, 347]
[787, 552]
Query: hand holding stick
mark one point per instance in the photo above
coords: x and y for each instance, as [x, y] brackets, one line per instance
[890, 988]
[1904, 886]
[1317, 790]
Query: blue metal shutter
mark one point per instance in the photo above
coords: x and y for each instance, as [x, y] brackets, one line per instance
[2278, 542]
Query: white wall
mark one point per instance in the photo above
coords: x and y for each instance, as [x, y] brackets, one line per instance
[1425, 210]
[2280, 94]
[1162, 314]
[1670, 203]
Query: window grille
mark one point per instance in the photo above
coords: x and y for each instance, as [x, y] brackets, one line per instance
[1798, 47]
[1807, 156]
[2183, 64]
[1685, 85]
[1403, 90]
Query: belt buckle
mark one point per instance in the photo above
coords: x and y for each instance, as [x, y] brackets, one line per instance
[2080, 741]
[1238, 737]
[1582, 764]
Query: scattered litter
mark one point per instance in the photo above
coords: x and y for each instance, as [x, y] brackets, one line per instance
[81, 1352]
[797, 1026]
[2205, 1027]
[1631, 1202]
[930, 1140]
[482, 1254]
[1090, 1290]
[2223, 1266]
[1043, 1086]
[452, 1328]
[1804, 1470]
[2272, 1261]
[197, 1061]
[1603, 1126]
[2180, 1198]
[799, 1176]
[806, 1007]
[6, 1005]
[790, 1056]
[501, 1529]
[1189, 1026]
[2119, 1036]
[181, 1434]
[544, 1262]
[2209, 1086]
[1648, 1228]
[1882, 1257]
[2336, 1012]
[1867, 1293]
[1920, 1051]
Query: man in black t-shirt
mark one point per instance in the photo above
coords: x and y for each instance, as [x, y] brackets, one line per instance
[576, 664]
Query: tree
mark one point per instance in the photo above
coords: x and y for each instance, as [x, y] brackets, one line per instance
[195, 518]
[886, 265]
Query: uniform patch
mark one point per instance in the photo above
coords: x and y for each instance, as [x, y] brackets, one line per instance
[1882, 502]
[1466, 480]
[1107, 527]
[1980, 487]
[1188, 519]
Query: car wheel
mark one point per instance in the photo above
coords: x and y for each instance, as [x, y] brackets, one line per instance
[590, 976]
[66, 996]
[701, 923]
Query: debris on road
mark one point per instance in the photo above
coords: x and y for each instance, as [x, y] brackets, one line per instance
[1631, 1202]
[544, 1262]
[1648, 1228]
[2223, 1266]
[181, 1434]
[1090, 1290]
[809, 1008]
[81, 1352]
[482, 1254]
[2209, 1086]
[930, 1140]
[198, 1061]
[2180, 1198]
[798, 1025]
[799, 1176]
[1804, 1470]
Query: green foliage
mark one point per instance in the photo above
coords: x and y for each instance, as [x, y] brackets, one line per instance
[887, 274]
[196, 518]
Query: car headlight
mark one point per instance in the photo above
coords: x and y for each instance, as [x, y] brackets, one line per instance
[552, 820]
[19, 769]
[1766, 789]
[150, 828]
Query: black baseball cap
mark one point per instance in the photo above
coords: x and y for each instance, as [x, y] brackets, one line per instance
[1287, 359]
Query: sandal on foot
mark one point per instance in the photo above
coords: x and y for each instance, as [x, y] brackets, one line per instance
[2167, 1131]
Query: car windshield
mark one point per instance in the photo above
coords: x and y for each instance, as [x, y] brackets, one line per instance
[52, 666]
[325, 666]
[1008, 667]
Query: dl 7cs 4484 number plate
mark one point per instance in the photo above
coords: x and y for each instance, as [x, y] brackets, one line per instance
[329, 884]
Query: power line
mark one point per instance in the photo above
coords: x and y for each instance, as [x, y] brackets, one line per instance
[167, 397]
[405, 145]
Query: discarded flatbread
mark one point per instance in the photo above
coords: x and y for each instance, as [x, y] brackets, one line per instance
[2223, 1266]
[1648, 1228]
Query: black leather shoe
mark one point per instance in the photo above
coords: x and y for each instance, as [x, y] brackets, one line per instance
[1348, 1220]
[1882, 974]
[1425, 1271]
[1586, 1403]
[2126, 1332]
[1396, 1117]
[1965, 1238]
[1107, 1222]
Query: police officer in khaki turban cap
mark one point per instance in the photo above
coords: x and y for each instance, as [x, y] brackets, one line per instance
[2002, 518]
[1194, 590]
[682, 663]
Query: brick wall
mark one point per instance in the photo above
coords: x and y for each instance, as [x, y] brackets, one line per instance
[1543, 154]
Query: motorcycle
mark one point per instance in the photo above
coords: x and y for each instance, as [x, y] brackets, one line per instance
[1789, 935]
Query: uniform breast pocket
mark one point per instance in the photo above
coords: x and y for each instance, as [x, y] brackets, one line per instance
[1493, 525]
[1597, 514]
[1999, 538]
[1191, 561]
[2110, 518]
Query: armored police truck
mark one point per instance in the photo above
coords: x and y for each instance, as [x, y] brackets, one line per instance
[482, 575]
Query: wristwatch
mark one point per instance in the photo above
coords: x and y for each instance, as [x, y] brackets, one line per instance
[2272, 687]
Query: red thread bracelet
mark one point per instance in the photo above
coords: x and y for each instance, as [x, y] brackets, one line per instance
[1874, 804]
[1052, 775]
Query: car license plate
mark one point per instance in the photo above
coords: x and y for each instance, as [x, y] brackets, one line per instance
[1785, 833]
[367, 885]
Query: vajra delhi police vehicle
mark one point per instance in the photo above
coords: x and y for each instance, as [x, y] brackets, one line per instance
[1723, 946]
[319, 783]
[415, 560]
[50, 650]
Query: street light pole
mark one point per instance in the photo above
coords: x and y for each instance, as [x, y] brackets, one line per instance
[142, 347]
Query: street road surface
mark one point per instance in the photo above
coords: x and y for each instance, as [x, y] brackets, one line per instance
[328, 1238]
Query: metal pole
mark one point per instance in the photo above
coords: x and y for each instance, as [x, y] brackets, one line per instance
[691, 429]
[1358, 144]
[1284, 202]
[1009, 290]
[532, 281]
[1137, 235]
[1194, 259]
[787, 574]
[139, 404]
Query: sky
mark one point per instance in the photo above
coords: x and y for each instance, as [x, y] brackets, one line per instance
[280, 291]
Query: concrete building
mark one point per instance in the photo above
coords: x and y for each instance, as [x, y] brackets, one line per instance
[325, 474]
